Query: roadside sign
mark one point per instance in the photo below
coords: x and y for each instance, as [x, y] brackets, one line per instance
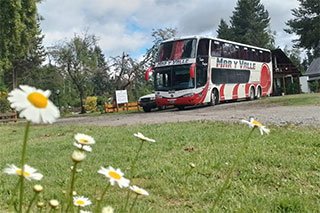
[121, 96]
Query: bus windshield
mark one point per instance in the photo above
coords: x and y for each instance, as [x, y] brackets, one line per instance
[173, 78]
[178, 49]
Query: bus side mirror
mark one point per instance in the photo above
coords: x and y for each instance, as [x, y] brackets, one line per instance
[148, 73]
[192, 70]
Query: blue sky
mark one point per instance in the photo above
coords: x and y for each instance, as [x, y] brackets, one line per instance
[126, 25]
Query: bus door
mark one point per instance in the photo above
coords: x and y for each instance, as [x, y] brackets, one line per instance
[202, 62]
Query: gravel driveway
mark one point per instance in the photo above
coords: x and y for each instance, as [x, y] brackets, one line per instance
[230, 112]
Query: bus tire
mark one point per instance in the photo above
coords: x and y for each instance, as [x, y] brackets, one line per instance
[180, 107]
[214, 97]
[258, 93]
[251, 94]
[146, 109]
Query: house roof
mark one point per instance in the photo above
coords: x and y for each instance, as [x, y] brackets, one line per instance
[314, 68]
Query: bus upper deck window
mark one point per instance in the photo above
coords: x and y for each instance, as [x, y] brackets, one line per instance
[203, 47]
[216, 48]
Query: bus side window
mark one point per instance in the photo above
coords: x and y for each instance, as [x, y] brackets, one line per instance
[266, 56]
[244, 53]
[203, 47]
[216, 49]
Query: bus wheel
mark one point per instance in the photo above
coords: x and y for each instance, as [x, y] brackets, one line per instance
[180, 107]
[214, 97]
[251, 94]
[146, 109]
[258, 93]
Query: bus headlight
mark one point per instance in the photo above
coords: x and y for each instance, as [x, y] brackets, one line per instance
[188, 95]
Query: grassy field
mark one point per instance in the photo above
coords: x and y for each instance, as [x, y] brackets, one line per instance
[279, 172]
[293, 100]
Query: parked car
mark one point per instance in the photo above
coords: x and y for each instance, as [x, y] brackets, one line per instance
[148, 102]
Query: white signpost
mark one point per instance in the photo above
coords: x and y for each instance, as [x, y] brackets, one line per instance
[121, 96]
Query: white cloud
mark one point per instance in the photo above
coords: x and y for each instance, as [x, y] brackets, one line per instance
[126, 25]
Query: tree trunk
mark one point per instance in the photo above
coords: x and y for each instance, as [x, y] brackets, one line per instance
[83, 110]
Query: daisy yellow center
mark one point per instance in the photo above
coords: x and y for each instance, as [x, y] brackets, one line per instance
[84, 141]
[80, 202]
[25, 174]
[256, 123]
[38, 100]
[115, 175]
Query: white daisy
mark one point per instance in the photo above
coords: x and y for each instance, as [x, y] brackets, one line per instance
[29, 173]
[33, 104]
[138, 190]
[144, 138]
[83, 147]
[107, 209]
[54, 203]
[84, 139]
[81, 201]
[115, 176]
[78, 156]
[81, 211]
[252, 123]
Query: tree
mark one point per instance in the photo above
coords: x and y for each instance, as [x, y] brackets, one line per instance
[294, 55]
[250, 24]
[158, 35]
[77, 59]
[224, 31]
[306, 25]
[18, 29]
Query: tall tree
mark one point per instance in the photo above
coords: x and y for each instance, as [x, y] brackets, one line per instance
[224, 30]
[18, 29]
[250, 24]
[306, 25]
[77, 59]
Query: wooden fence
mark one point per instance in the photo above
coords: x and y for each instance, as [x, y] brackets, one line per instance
[132, 106]
[8, 116]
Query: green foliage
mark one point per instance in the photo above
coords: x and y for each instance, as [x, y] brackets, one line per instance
[250, 24]
[314, 86]
[306, 25]
[4, 103]
[91, 103]
[224, 31]
[266, 179]
[18, 32]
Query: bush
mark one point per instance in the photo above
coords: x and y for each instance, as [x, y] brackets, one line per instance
[90, 104]
[4, 103]
[314, 86]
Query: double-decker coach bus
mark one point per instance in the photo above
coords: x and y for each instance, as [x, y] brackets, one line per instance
[200, 70]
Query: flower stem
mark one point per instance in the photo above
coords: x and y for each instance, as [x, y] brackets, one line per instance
[230, 172]
[73, 175]
[101, 197]
[134, 202]
[23, 159]
[31, 202]
[136, 159]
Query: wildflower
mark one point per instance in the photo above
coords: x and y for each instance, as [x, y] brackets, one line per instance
[33, 104]
[107, 209]
[84, 139]
[54, 203]
[81, 211]
[83, 147]
[192, 165]
[115, 176]
[252, 123]
[78, 156]
[138, 190]
[144, 138]
[29, 173]
[40, 204]
[37, 188]
[81, 201]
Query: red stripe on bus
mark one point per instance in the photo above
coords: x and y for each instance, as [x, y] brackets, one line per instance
[235, 92]
[247, 89]
[265, 79]
[222, 92]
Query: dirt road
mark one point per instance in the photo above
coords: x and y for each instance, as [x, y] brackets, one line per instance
[230, 112]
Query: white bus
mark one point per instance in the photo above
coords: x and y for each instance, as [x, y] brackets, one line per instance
[200, 70]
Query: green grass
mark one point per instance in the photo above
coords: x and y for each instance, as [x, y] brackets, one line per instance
[293, 100]
[279, 172]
